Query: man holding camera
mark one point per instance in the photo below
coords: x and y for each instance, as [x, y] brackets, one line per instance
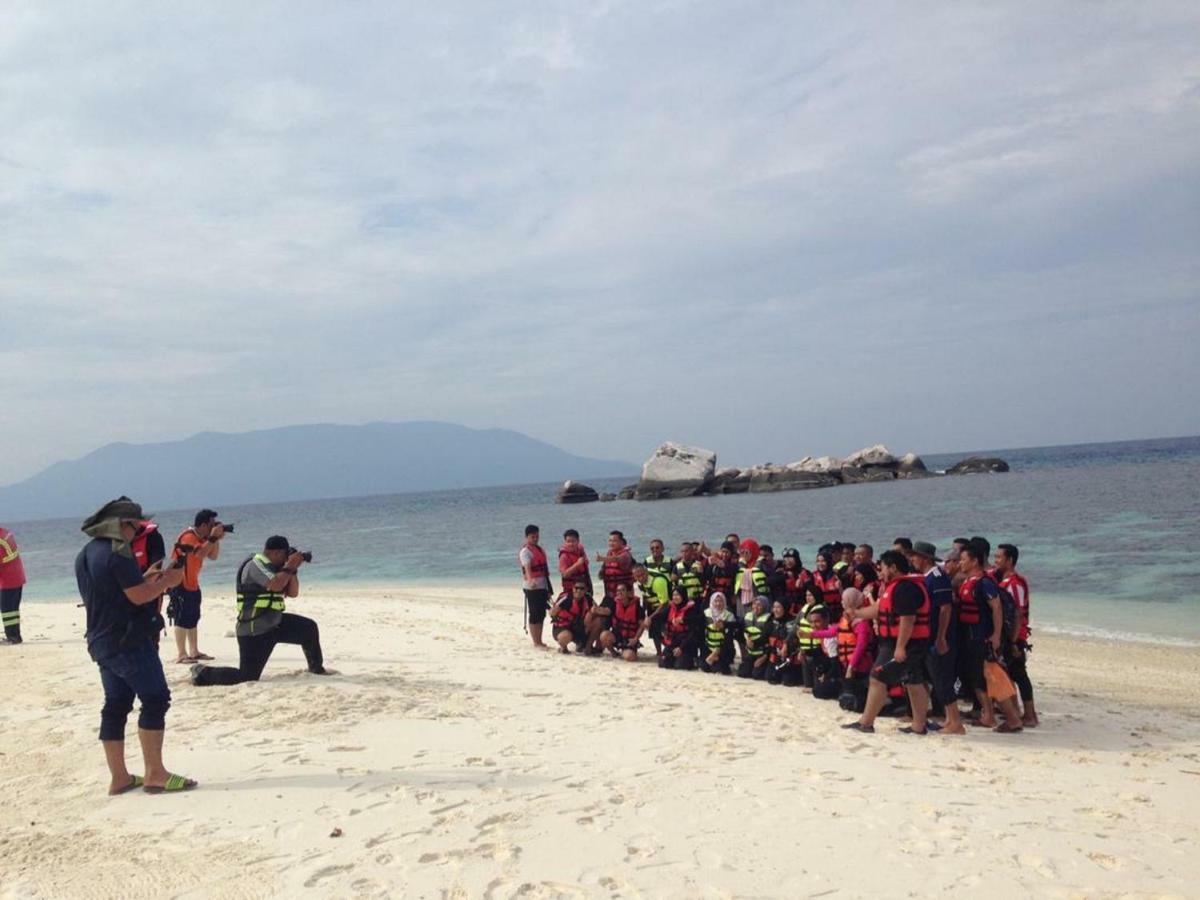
[121, 625]
[264, 582]
[200, 542]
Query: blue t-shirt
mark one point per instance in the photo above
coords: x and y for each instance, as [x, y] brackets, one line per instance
[985, 590]
[102, 576]
[941, 594]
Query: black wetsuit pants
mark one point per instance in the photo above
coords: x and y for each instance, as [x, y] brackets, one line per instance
[10, 612]
[254, 652]
[1020, 675]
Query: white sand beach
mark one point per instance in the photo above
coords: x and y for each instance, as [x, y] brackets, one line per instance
[458, 762]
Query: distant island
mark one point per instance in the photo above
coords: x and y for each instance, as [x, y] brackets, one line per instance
[300, 462]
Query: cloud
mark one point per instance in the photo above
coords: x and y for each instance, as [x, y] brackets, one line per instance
[602, 225]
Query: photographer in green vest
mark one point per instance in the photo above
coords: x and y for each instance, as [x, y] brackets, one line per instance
[264, 583]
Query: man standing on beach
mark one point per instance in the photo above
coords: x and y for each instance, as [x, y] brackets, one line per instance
[902, 621]
[121, 624]
[573, 563]
[982, 618]
[658, 563]
[616, 565]
[943, 663]
[12, 582]
[196, 544]
[535, 571]
[1014, 582]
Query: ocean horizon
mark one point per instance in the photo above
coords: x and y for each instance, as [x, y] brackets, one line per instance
[1108, 532]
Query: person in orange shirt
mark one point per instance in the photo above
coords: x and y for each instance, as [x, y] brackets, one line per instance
[204, 541]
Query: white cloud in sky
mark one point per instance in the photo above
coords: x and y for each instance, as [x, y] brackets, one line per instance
[604, 225]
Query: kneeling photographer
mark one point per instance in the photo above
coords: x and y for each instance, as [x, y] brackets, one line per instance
[264, 582]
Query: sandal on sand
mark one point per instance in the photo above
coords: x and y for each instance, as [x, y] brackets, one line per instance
[908, 730]
[933, 726]
[1005, 728]
[184, 660]
[135, 781]
[859, 726]
[174, 785]
[200, 656]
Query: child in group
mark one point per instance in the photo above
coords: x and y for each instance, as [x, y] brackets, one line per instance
[719, 627]
[854, 649]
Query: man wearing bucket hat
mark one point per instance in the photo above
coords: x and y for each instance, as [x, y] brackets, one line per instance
[121, 627]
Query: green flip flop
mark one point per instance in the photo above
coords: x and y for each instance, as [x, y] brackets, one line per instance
[174, 785]
[135, 781]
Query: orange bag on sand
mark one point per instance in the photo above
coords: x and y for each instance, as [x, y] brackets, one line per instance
[999, 685]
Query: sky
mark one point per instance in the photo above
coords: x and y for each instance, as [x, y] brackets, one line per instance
[771, 229]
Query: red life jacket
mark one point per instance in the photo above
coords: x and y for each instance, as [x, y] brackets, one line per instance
[570, 612]
[968, 609]
[889, 622]
[830, 587]
[139, 545]
[1018, 589]
[677, 625]
[538, 565]
[612, 574]
[567, 557]
[625, 621]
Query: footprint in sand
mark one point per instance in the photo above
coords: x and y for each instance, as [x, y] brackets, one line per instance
[1105, 861]
[326, 872]
[1038, 864]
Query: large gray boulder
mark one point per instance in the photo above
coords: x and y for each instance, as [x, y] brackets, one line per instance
[911, 466]
[770, 477]
[574, 492]
[978, 465]
[627, 493]
[676, 470]
[878, 455]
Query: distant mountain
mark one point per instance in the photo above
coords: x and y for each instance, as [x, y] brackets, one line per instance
[300, 462]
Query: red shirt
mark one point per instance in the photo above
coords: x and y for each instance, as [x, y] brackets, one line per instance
[12, 570]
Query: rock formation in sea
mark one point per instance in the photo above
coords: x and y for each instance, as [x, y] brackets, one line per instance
[677, 470]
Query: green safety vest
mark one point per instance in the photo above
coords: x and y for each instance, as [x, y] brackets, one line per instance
[255, 603]
[754, 628]
[714, 638]
[656, 591]
[758, 577]
[663, 568]
[689, 579]
[804, 629]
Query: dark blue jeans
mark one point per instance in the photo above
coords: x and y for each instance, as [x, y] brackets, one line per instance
[133, 673]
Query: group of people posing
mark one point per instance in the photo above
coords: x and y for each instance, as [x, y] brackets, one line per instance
[910, 633]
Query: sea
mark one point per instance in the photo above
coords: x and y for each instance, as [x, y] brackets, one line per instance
[1109, 533]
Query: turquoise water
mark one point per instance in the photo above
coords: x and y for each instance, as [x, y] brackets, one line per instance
[1109, 533]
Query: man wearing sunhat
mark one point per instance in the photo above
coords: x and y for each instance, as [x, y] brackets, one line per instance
[121, 627]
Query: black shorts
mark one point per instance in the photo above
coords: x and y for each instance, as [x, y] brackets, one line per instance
[184, 607]
[577, 631]
[537, 601]
[911, 671]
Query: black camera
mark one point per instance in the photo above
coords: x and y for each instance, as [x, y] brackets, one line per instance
[305, 555]
[228, 526]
